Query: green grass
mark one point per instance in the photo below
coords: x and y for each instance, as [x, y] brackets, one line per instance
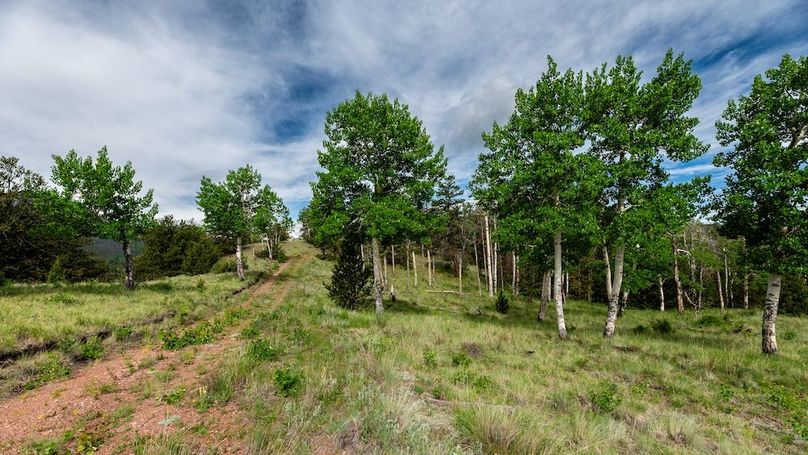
[36, 314]
[435, 375]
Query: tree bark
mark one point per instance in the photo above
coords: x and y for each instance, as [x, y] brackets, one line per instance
[477, 267]
[488, 259]
[128, 268]
[460, 272]
[623, 300]
[513, 274]
[769, 340]
[701, 285]
[377, 275]
[720, 291]
[414, 270]
[239, 262]
[680, 304]
[429, 266]
[614, 297]
[726, 281]
[559, 300]
[384, 269]
[746, 290]
[516, 268]
[661, 293]
[545, 295]
[608, 266]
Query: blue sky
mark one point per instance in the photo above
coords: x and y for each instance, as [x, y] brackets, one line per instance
[188, 88]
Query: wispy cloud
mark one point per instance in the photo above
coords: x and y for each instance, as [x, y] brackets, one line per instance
[186, 89]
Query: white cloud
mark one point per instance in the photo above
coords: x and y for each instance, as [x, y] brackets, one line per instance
[183, 89]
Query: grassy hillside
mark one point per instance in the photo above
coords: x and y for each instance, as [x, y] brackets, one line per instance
[443, 373]
[433, 376]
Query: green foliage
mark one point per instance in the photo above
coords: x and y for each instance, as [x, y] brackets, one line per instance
[172, 247]
[430, 358]
[289, 381]
[461, 359]
[379, 167]
[108, 195]
[201, 334]
[502, 305]
[63, 298]
[662, 326]
[173, 397]
[765, 197]
[226, 265]
[350, 285]
[53, 368]
[262, 350]
[606, 397]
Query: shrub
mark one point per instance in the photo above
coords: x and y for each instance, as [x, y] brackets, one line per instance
[430, 359]
[57, 273]
[200, 257]
[201, 334]
[789, 335]
[461, 359]
[502, 303]
[350, 285]
[710, 320]
[662, 326]
[262, 350]
[92, 349]
[289, 381]
[226, 265]
[63, 298]
[605, 398]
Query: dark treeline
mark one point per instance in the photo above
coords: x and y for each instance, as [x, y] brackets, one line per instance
[572, 199]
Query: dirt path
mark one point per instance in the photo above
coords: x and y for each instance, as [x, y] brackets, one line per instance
[109, 403]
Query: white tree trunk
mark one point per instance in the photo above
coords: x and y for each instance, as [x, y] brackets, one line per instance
[384, 269]
[488, 259]
[614, 297]
[661, 293]
[770, 314]
[720, 291]
[414, 270]
[477, 267]
[128, 266]
[608, 266]
[545, 295]
[680, 304]
[407, 255]
[559, 301]
[377, 275]
[460, 272]
[429, 266]
[746, 290]
[513, 273]
[239, 262]
[727, 292]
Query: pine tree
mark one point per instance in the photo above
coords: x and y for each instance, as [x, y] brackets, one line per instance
[350, 285]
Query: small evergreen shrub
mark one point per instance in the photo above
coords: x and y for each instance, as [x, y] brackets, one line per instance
[350, 286]
[200, 257]
[502, 303]
[789, 335]
[57, 273]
